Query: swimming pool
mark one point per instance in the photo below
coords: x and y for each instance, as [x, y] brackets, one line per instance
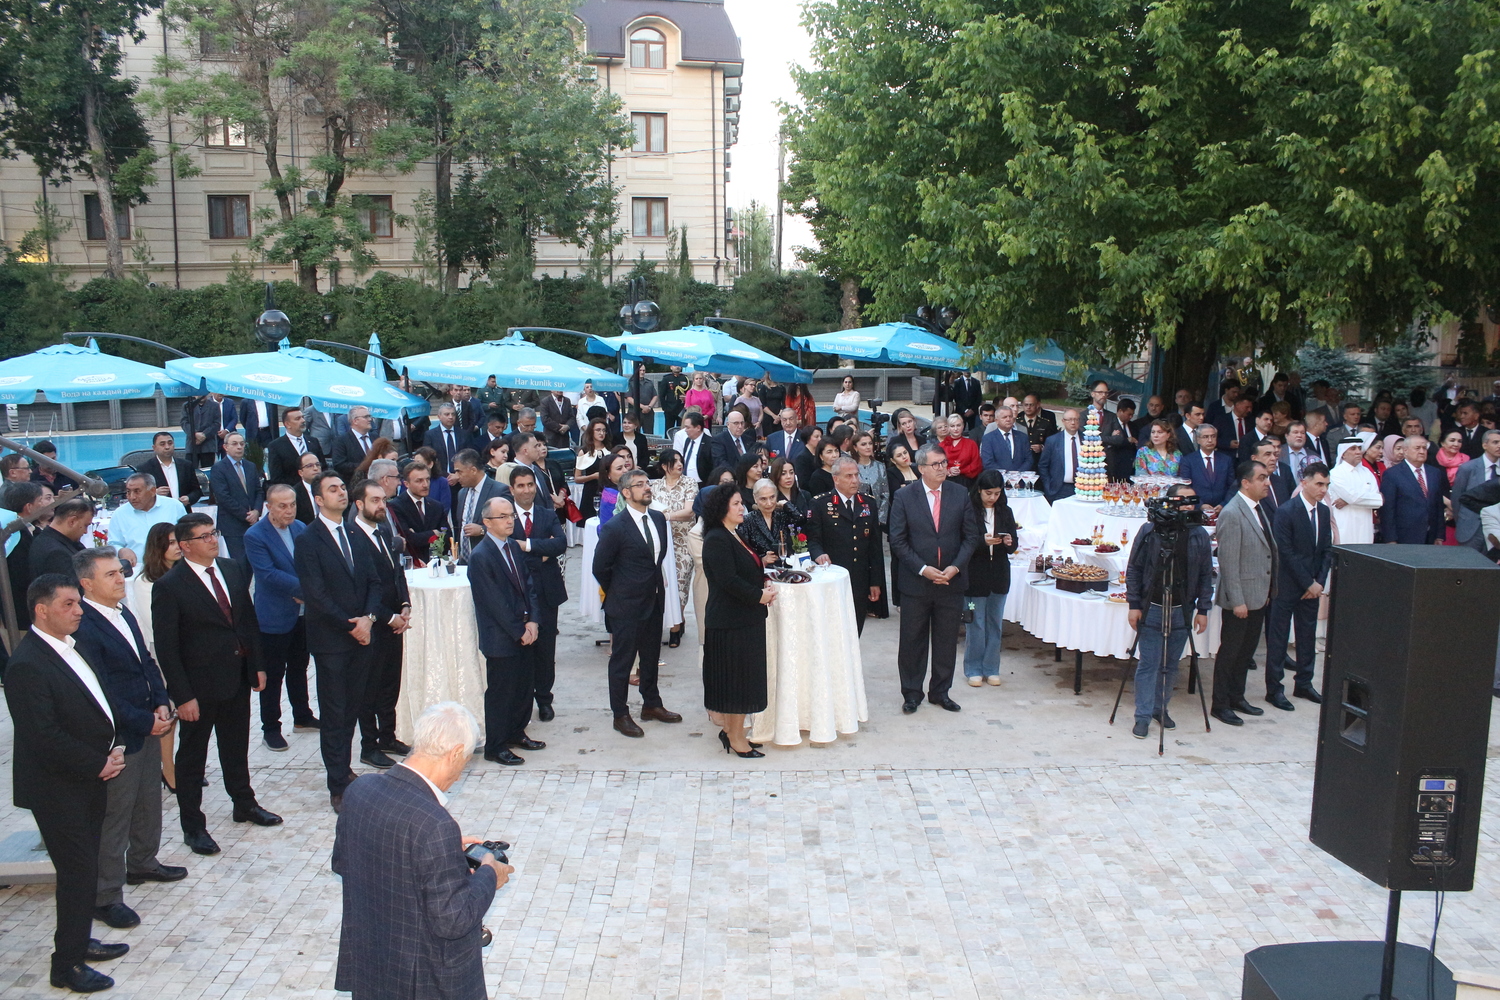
[83, 452]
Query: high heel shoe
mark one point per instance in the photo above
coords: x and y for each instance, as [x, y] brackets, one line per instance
[674, 638]
[169, 788]
[752, 752]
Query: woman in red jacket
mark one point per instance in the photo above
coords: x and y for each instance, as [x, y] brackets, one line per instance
[964, 464]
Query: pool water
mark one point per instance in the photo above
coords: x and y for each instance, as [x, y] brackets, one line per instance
[84, 452]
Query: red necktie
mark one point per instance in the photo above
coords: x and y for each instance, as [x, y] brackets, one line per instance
[1241, 425]
[1422, 482]
[528, 524]
[220, 596]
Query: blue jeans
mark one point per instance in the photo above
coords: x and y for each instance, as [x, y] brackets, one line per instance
[1148, 672]
[982, 648]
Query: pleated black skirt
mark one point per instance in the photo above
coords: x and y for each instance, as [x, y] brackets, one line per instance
[734, 670]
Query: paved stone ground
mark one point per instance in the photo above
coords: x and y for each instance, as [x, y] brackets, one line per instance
[1021, 849]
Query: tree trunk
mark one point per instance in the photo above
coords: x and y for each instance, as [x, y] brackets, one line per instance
[114, 254]
[849, 303]
[442, 199]
[1190, 361]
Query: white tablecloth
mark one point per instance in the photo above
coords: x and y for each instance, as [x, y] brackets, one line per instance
[588, 598]
[1072, 518]
[1031, 513]
[443, 661]
[814, 674]
[575, 531]
[1092, 625]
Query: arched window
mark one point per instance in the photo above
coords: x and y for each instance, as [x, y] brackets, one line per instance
[648, 49]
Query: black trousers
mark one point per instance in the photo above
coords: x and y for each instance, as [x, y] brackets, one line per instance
[1279, 627]
[861, 597]
[343, 679]
[70, 827]
[228, 721]
[1238, 638]
[929, 621]
[639, 640]
[377, 717]
[544, 655]
[509, 683]
[285, 658]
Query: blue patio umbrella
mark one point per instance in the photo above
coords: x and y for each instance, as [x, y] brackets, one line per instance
[77, 373]
[374, 367]
[702, 348]
[896, 343]
[1044, 359]
[283, 377]
[515, 362]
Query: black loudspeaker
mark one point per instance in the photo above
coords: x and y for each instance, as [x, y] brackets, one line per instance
[1406, 711]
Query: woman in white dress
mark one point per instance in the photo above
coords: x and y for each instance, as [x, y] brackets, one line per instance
[1353, 493]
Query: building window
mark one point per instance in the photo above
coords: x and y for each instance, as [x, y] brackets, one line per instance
[649, 216]
[375, 213]
[228, 216]
[648, 49]
[93, 218]
[225, 134]
[650, 133]
[212, 45]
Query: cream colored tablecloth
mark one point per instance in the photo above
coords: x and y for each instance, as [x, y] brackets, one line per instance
[814, 674]
[443, 661]
[588, 596]
[1093, 625]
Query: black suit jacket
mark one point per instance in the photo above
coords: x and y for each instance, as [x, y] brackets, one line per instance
[1301, 562]
[735, 582]
[630, 578]
[390, 580]
[198, 650]
[235, 501]
[129, 675]
[187, 477]
[548, 540]
[62, 736]
[725, 452]
[347, 454]
[502, 604]
[437, 440]
[52, 552]
[334, 593]
[18, 565]
[282, 460]
[416, 530]
[967, 393]
[307, 509]
[850, 542]
[703, 454]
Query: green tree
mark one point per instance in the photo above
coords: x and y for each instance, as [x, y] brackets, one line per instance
[1333, 365]
[757, 239]
[1401, 366]
[1215, 175]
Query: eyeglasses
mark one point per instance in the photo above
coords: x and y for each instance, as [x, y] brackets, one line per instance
[203, 538]
[500, 517]
[934, 465]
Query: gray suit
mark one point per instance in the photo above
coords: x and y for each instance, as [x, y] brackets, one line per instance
[1470, 475]
[929, 612]
[1247, 571]
[488, 489]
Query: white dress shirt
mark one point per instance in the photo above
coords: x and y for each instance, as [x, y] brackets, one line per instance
[299, 443]
[1312, 515]
[116, 617]
[689, 452]
[1070, 441]
[79, 666]
[202, 572]
[169, 476]
[442, 797]
[643, 524]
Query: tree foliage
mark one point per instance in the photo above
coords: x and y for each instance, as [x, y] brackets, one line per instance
[1401, 366]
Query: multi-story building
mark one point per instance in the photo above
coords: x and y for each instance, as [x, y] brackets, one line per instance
[675, 64]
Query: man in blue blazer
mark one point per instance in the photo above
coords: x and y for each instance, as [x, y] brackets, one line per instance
[1212, 474]
[236, 486]
[1006, 449]
[783, 443]
[734, 441]
[110, 639]
[1413, 491]
[1470, 475]
[544, 538]
[507, 610]
[447, 438]
[1303, 529]
[1059, 459]
[270, 547]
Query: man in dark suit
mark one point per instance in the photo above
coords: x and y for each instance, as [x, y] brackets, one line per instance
[377, 718]
[309, 468]
[1282, 483]
[556, 416]
[284, 455]
[1304, 548]
[1466, 423]
[967, 393]
[270, 545]
[412, 908]
[1413, 491]
[53, 547]
[475, 489]
[421, 518]
[1059, 461]
[1006, 448]
[544, 538]
[506, 609]
[1260, 426]
[1111, 433]
[1192, 419]
[110, 639]
[1212, 474]
[66, 750]
[843, 528]
[697, 449]
[203, 427]
[783, 443]
[340, 586]
[1037, 424]
[934, 531]
[24, 500]
[208, 646]
[983, 425]
[447, 438]
[175, 477]
[731, 444]
[1222, 405]
[236, 486]
[627, 567]
[351, 447]
[1156, 409]
[1235, 427]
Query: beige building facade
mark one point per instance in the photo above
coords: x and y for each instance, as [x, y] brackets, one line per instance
[675, 64]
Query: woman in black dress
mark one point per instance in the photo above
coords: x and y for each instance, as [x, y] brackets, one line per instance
[734, 628]
[821, 481]
[793, 499]
[747, 471]
[807, 459]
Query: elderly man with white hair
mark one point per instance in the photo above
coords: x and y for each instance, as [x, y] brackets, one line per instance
[413, 906]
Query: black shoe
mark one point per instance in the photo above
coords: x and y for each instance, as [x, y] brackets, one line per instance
[729, 748]
[255, 814]
[504, 756]
[946, 703]
[336, 799]
[161, 873]
[1141, 729]
[545, 713]
[376, 759]
[626, 726]
[393, 746]
[117, 915]
[1227, 716]
[274, 741]
[1166, 721]
[910, 706]
[1244, 706]
[527, 744]
[1278, 700]
[1309, 694]
[81, 979]
[307, 726]
[98, 951]
[200, 842]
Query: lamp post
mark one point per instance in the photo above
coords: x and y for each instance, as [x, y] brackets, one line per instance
[273, 324]
[638, 315]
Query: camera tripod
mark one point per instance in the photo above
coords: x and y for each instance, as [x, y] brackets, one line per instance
[1166, 566]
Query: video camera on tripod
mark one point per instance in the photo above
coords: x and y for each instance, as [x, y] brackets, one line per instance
[1172, 515]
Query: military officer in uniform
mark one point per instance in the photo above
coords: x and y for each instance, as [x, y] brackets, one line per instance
[843, 528]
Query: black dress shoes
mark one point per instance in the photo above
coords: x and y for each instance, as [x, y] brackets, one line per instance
[910, 706]
[1309, 694]
[81, 979]
[504, 756]
[626, 726]
[1227, 716]
[545, 713]
[376, 759]
[255, 814]
[1244, 706]
[117, 915]
[1166, 721]
[161, 873]
[98, 951]
[660, 714]
[200, 842]
[1279, 701]
[528, 744]
[306, 726]
[394, 746]
[336, 799]
[947, 704]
